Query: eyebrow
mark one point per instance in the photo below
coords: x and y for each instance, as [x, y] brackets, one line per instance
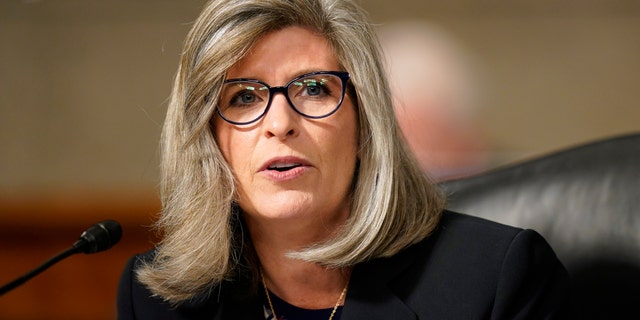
[297, 74]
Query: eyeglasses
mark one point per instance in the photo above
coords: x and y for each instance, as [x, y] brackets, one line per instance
[313, 95]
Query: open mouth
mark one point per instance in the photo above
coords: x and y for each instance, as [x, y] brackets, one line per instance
[281, 167]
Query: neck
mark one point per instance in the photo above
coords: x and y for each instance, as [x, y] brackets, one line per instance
[307, 285]
[303, 284]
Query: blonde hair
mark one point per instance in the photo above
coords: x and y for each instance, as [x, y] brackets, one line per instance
[394, 204]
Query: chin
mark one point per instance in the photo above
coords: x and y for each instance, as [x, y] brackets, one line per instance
[284, 211]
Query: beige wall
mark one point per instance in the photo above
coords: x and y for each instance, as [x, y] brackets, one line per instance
[83, 84]
[83, 91]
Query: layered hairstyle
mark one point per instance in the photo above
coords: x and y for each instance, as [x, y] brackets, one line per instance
[203, 243]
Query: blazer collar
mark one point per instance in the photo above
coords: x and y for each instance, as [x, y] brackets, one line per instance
[371, 290]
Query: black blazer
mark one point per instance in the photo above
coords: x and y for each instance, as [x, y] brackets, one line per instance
[469, 268]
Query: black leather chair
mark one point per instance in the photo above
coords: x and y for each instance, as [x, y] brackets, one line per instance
[585, 201]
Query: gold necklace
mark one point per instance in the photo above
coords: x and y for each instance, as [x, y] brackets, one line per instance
[273, 311]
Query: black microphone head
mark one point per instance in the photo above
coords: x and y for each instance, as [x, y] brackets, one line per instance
[99, 237]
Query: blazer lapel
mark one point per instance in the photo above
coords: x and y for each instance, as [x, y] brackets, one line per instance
[371, 295]
[381, 304]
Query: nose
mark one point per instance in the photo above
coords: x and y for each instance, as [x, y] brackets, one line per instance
[281, 121]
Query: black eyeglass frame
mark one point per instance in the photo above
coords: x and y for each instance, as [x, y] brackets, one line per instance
[344, 77]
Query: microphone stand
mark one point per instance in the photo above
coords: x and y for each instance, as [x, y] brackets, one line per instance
[99, 237]
[60, 256]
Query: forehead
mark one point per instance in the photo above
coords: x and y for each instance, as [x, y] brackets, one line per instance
[285, 53]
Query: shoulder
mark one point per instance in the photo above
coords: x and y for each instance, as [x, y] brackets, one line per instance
[468, 233]
[473, 245]
[462, 241]
[515, 267]
[462, 223]
[470, 266]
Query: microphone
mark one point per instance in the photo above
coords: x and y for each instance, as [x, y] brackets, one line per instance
[99, 237]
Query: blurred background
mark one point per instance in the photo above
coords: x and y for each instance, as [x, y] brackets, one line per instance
[84, 85]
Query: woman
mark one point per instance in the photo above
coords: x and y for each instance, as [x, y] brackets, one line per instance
[288, 193]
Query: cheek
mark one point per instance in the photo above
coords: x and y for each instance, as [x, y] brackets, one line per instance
[352, 126]
[237, 148]
[226, 139]
[345, 141]
[222, 137]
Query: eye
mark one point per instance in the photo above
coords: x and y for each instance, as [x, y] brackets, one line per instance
[314, 90]
[244, 98]
[242, 95]
[311, 87]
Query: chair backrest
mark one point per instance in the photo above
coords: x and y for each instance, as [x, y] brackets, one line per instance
[585, 201]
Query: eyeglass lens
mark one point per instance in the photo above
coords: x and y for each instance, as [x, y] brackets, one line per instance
[314, 96]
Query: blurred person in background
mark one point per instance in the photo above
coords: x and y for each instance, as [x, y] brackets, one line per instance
[436, 97]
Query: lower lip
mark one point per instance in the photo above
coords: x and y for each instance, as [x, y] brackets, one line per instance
[281, 176]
